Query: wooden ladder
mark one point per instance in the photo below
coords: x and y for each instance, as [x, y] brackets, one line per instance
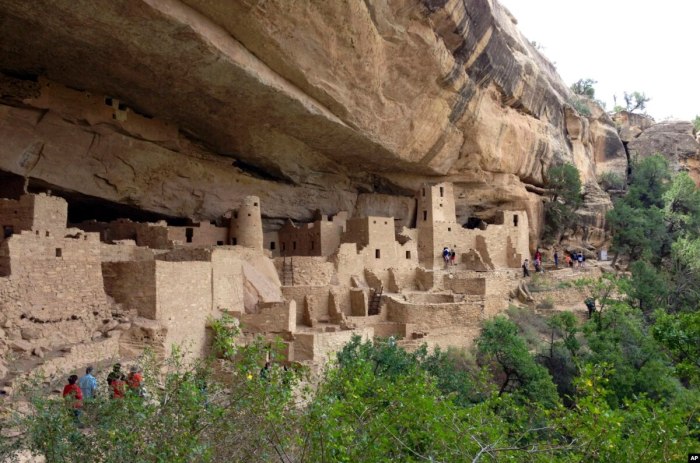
[287, 272]
[375, 301]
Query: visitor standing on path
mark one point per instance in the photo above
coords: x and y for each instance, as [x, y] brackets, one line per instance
[526, 271]
[134, 381]
[556, 259]
[453, 257]
[446, 256]
[74, 395]
[88, 384]
[115, 380]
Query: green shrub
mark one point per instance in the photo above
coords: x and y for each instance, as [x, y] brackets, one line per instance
[612, 181]
[547, 304]
[580, 106]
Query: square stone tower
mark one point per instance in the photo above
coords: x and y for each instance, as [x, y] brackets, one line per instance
[436, 207]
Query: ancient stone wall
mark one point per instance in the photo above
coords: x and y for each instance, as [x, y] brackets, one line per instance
[132, 284]
[55, 293]
[151, 235]
[312, 298]
[319, 346]
[124, 251]
[273, 317]
[184, 303]
[202, 234]
[40, 213]
[427, 316]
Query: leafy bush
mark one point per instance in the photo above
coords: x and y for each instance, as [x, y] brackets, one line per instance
[612, 181]
[580, 106]
[547, 304]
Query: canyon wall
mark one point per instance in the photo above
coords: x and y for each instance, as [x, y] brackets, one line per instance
[183, 107]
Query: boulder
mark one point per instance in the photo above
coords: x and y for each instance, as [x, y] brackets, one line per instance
[20, 345]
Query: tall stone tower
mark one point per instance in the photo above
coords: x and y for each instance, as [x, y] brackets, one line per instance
[436, 210]
[246, 224]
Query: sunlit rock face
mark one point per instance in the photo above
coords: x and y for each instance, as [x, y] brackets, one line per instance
[184, 107]
[675, 140]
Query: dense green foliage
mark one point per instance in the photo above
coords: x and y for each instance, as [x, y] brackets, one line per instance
[564, 185]
[622, 394]
[584, 87]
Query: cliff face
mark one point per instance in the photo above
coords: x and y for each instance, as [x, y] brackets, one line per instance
[184, 107]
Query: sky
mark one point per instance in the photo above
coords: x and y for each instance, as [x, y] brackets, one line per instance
[626, 45]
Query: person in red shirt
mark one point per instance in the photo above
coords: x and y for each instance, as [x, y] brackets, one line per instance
[117, 388]
[134, 381]
[72, 390]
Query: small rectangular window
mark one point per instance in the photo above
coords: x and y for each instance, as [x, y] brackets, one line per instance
[425, 215]
[515, 220]
[442, 192]
[59, 252]
[294, 245]
[284, 247]
[219, 243]
[408, 254]
[189, 233]
[255, 204]
[377, 254]
[449, 229]
[423, 191]
[8, 230]
[234, 241]
[272, 245]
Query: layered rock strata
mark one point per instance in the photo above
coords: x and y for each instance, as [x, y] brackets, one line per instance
[184, 107]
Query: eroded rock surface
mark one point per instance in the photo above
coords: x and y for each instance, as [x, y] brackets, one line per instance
[675, 140]
[184, 107]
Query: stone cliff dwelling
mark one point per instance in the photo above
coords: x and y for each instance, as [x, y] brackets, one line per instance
[101, 290]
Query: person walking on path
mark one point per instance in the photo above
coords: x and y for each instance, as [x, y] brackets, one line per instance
[590, 305]
[526, 270]
[453, 257]
[74, 396]
[556, 259]
[88, 384]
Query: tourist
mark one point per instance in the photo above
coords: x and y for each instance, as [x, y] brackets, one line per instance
[579, 259]
[75, 395]
[590, 305]
[538, 255]
[567, 259]
[526, 270]
[556, 259]
[88, 384]
[538, 266]
[453, 257]
[446, 256]
[115, 380]
[134, 380]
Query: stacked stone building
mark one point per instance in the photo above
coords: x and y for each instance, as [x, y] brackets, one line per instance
[105, 290]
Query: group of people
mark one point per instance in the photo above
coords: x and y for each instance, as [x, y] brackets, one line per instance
[118, 384]
[575, 258]
[449, 256]
[572, 258]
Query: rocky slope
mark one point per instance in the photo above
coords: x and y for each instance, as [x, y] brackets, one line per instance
[182, 107]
